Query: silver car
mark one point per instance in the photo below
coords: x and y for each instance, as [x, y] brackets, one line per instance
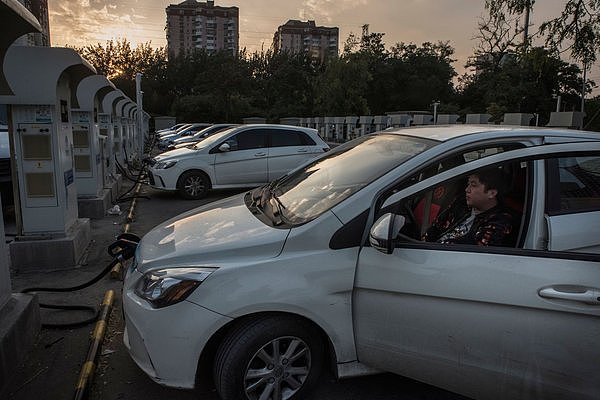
[327, 265]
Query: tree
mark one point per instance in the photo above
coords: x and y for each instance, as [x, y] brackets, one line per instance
[577, 27]
[524, 82]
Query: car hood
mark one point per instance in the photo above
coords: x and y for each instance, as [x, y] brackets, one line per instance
[171, 154]
[222, 232]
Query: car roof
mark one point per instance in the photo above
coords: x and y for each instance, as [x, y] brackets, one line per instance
[445, 133]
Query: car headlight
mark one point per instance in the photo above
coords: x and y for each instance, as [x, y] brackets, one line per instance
[165, 164]
[165, 287]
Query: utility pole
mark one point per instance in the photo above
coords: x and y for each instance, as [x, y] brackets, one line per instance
[583, 93]
[526, 27]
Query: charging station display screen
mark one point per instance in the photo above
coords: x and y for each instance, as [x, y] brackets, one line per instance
[82, 163]
[80, 139]
[37, 147]
[40, 184]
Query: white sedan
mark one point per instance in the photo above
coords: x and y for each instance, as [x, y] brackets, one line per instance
[243, 156]
[326, 266]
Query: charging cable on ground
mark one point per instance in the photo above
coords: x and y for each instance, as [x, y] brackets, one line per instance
[123, 249]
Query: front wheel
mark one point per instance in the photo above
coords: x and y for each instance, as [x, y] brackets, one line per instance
[193, 185]
[274, 358]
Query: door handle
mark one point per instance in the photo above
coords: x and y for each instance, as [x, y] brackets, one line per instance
[261, 154]
[302, 151]
[573, 293]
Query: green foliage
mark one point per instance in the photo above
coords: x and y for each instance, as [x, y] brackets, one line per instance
[367, 79]
[528, 83]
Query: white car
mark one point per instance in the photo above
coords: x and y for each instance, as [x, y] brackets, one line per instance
[171, 128]
[254, 294]
[243, 156]
[188, 131]
[198, 136]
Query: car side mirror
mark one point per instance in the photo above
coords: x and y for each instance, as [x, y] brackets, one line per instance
[384, 231]
[224, 147]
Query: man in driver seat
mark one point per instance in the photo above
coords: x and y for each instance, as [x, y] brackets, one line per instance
[484, 221]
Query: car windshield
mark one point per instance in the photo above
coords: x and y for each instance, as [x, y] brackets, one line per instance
[308, 192]
[212, 139]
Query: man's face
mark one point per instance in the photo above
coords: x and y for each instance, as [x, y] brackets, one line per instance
[477, 197]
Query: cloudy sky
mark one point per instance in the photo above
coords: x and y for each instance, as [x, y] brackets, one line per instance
[80, 22]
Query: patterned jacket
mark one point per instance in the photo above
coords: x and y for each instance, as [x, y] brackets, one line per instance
[493, 227]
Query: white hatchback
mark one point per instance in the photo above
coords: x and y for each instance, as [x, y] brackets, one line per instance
[243, 156]
[255, 293]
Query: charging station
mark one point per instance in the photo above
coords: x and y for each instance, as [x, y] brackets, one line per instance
[109, 130]
[44, 82]
[19, 313]
[123, 128]
[93, 199]
[131, 131]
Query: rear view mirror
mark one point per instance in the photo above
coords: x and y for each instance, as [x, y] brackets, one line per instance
[384, 231]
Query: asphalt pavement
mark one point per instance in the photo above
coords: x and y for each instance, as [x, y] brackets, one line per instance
[52, 368]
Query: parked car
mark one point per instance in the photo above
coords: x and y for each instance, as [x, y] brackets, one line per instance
[244, 156]
[198, 136]
[167, 140]
[172, 128]
[6, 187]
[171, 131]
[258, 292]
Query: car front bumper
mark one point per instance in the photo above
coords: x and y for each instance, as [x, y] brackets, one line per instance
[166, 343]
[165, 179]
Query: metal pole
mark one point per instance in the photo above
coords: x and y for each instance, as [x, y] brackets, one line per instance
[583, 94]
[435, 105]
[140, 115]
[558, 99]
[526, 27]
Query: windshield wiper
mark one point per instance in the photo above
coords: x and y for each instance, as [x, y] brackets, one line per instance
[267, 193]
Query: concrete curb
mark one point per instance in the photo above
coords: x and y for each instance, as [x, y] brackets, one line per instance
[89, 366]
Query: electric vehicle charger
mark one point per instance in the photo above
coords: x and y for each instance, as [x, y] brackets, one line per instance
[122, 250]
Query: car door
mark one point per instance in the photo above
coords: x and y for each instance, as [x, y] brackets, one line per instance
[486, 322]
[288, 148]
[246, 161]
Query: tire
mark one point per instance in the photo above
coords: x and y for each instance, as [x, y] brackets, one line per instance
[246, 365]
[193, 185]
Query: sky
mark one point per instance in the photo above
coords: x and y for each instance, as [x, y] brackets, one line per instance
[82, 22]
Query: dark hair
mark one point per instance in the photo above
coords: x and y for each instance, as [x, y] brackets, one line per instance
[492, 178]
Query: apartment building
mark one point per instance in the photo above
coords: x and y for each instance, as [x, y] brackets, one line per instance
[201, 25]
[39, 9]
[298, 36]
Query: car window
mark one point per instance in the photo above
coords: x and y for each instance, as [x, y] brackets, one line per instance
[578, 183]
[247, 140]
[444, 213]
[284, 137]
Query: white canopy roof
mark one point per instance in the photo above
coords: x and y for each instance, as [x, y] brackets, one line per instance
[109, 101]
[33, 73]
[16, 21]
[90, 87]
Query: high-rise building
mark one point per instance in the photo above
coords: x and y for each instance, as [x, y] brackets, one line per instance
[39, 9]
[197, 25]
[298, 36]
